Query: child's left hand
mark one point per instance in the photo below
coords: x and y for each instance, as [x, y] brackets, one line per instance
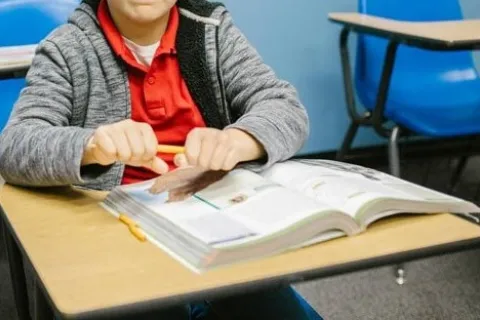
[213, 149]
[210, 154]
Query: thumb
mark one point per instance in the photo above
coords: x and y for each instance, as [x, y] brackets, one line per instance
[180, 160]
[157, 165]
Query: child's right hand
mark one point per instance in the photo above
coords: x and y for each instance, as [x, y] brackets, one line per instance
[130, 142]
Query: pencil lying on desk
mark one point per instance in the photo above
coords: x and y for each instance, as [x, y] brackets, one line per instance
[161, 148]
[132, 227]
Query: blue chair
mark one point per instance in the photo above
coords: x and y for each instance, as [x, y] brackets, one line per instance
[431, 94]
[27, 22]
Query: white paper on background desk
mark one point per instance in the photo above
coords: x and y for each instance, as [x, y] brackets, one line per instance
[16, 55]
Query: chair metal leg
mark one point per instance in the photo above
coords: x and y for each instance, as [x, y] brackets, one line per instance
[383, 89]
[356, 118]
[393, 152]
[426, 173]
[457, 174]
[17, 275]
[400, 274]
[347, 141]
[347, 76]
[394, 163]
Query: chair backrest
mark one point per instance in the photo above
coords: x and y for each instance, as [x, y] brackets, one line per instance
[411, 63]
[27, 22]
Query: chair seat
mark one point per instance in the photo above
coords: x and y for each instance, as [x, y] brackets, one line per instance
[437, 124]
[446, 105]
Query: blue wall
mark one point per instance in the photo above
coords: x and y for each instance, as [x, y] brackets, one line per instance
[296, 39]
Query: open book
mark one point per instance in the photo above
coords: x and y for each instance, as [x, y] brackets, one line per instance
[293, 204]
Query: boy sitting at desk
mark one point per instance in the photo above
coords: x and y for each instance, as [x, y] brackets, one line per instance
[123, 76]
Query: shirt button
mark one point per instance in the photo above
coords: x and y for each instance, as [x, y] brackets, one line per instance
[151, 80]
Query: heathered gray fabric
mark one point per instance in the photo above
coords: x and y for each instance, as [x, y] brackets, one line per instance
[76, 84]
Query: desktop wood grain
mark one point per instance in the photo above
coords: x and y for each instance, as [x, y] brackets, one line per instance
[450, 32]
[88, 260]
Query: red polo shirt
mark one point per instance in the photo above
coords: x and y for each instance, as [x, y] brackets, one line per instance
[159, 94]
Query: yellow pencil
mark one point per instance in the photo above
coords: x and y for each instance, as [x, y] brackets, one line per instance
[126, 220]
[163, 148]
[137, 233]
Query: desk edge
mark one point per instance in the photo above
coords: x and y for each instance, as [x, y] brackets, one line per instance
[409, 39]
[323, 272]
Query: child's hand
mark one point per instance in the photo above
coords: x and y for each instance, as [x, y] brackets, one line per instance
[213, 149]
[130, 142]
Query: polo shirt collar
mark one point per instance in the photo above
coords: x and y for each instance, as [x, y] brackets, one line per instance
[114, 37]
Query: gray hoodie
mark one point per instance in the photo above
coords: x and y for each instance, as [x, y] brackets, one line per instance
[76, 84]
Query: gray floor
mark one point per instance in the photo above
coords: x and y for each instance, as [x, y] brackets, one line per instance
[446, 287]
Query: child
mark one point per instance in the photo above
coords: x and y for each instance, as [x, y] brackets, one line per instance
[123, 76]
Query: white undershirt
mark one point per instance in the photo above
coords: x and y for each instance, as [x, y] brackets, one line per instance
[143, 54]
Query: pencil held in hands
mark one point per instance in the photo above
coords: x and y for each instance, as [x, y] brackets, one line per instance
[161, 148]
[165, 148]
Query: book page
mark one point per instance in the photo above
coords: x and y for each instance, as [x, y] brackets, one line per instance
[346, 186]
[241, 206]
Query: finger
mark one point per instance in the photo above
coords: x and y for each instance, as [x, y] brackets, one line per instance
[105, 148]
[158, 187]
[122, 145]
[220, 153]
[231, 160]
[136, 144]
[180, 160]
[150, 141]
[209, 144]
[193, 146]
[157, 165]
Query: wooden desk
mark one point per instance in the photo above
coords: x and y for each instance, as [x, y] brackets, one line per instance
[444, 33]
[90, 266]
[15, 61]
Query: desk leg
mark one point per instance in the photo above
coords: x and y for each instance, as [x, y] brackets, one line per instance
[42, 308]
[17, 275]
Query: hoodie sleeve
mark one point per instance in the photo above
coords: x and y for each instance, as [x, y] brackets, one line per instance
[38, 147]
[269, 108]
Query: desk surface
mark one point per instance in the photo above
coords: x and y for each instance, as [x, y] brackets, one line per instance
[88, 261]
[14, 59]
[465, 32]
